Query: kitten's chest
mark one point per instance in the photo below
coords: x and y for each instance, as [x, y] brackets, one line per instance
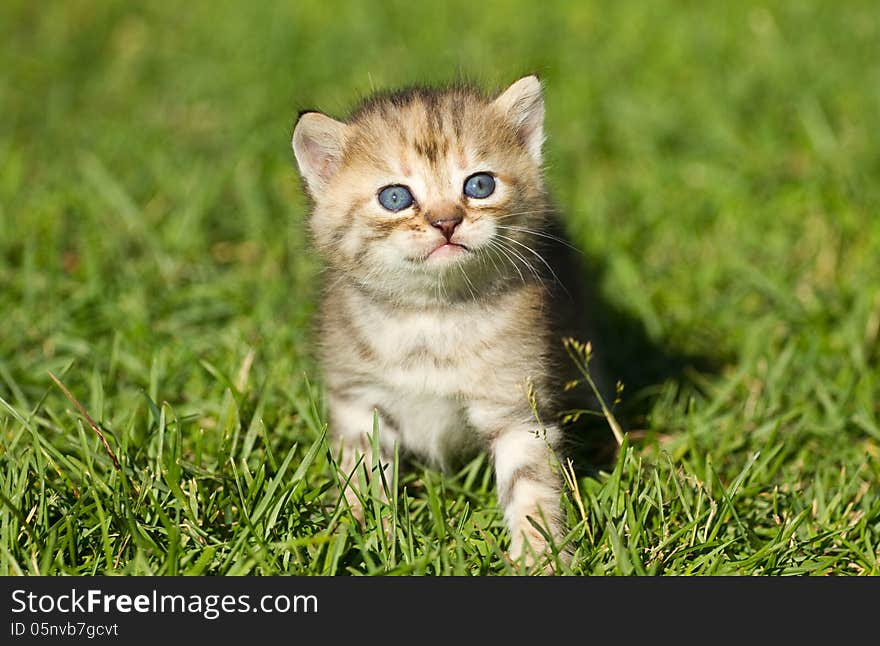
[430, 340]
[473, 350]
[446, 353]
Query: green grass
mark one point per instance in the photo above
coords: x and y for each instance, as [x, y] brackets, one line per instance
[720, 164]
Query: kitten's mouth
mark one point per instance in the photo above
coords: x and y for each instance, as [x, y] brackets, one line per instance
[447, 250]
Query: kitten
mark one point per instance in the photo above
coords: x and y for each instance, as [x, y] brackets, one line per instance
[441, 310]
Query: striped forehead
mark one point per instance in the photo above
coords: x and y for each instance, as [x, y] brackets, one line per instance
[431, 140]
[425, 134]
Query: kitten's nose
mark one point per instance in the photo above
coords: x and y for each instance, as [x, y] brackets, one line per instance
[447, 225]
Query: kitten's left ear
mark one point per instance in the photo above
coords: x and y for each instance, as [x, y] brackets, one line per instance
[318, 144]
[523, 105]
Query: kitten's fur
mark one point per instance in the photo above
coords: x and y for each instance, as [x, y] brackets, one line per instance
[443, 347]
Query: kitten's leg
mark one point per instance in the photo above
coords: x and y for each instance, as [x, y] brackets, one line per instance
[351, 420]
[528, 483]
[528, 491]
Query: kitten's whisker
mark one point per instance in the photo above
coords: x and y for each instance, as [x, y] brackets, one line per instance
[532, 251]
[519, 255]
[539, 257]
[467, 280]
[515, 214]
[523, 259]
[529, 231]
[535, 209]
[495, 246]
[492, 259]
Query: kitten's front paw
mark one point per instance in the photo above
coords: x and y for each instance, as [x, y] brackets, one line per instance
[529, 547]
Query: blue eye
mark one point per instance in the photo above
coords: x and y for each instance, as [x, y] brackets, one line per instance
[479, 185]
[395, 198]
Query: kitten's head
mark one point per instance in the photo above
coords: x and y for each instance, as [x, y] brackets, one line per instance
[427, 188]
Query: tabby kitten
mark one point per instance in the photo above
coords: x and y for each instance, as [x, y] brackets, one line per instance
[439, 308]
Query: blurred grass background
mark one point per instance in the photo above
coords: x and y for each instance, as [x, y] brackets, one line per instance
[719, 160]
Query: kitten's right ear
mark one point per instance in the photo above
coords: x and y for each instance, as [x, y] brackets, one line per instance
[318, 144]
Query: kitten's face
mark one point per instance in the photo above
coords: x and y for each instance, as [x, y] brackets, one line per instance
[428, 187]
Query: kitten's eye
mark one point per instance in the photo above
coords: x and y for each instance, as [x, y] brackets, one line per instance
[395, 198]
[480, 185]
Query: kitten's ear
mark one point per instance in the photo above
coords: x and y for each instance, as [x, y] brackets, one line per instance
[523, 105]
[318, 144]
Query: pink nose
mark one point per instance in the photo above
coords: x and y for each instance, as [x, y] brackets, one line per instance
[447, 226]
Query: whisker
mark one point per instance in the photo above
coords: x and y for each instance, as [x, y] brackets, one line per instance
[494, 246]
[470, 285]
[523, 259]
[515, 214]
[539, 257]
[492, 259]
[443, 287]
[522, 229]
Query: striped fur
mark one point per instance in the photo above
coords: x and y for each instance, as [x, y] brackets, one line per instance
[442, 347]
